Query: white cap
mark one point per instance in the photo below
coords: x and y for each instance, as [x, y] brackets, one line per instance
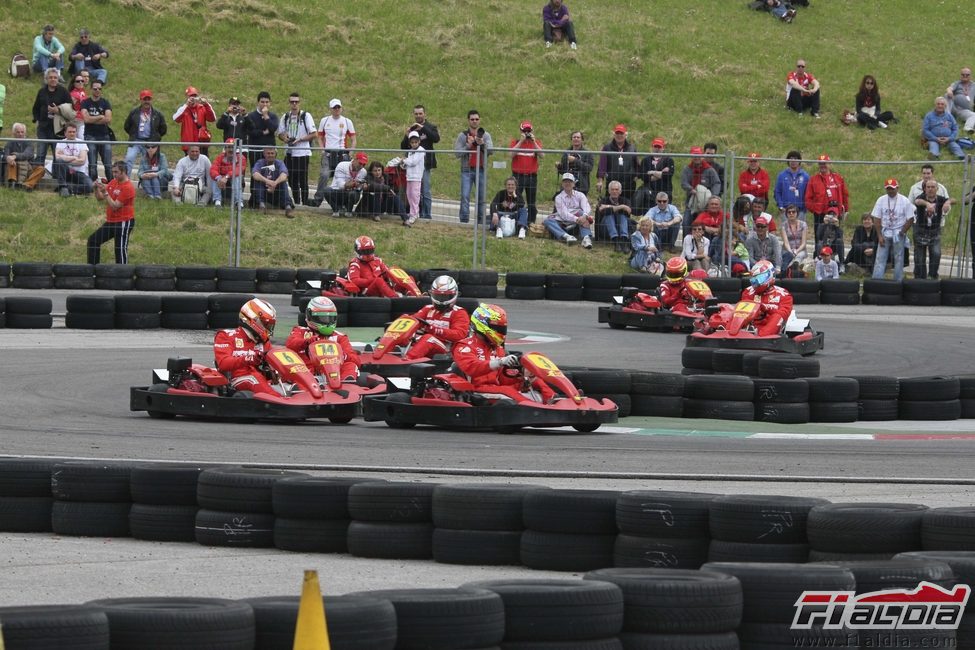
[334, 103]
[413, 134]
[568, 177]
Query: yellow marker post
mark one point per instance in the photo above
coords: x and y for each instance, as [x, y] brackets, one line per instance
[311, 629]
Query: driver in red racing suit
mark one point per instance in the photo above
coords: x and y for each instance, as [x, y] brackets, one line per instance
[444, 322]
[321, 316]
[776, 302]
[482, 357]
[239, 352]
[673, 290]
[368, 272]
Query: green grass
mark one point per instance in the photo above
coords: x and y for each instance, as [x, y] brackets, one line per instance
[689, 72]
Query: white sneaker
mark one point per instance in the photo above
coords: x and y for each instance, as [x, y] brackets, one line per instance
[882, 125]
[586, 242]
[411, 221]
[498, 234]
[218, 204]
[569, 239]
[521, 233]
[548, 44]
[573, 46]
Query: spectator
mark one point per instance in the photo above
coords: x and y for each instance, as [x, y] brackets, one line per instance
[700, 182]
[96, 111]
[695, 249]
[753, 179]
[227, 176]
[757, 207]
[297, 130]
[863, 247]
[556, 24]
[741, 211]
[524, 166]
[154, 172]
[940, 129]
[893, 215]
[349, 177]
[646, 247]
[88, 55]
[119, 198]
[825, 190]
[712, 218]
[577, 161]
[781, 10]
[193, 116]
[710, 150]
[571, 210]
[336, 137]
[511, 204]
[802, 90]
[70, 167]
[764, 246]
[830, 233]
[614, 214]
[826, 266]
[790, 186]
[666, 221]
[143, 124]
[270, 183]
[927, 174]
[928, 220]
[50, 97]
[657, 171]
[234, 122]
[614, 165]
[3, 98]
[262, 125]
[48, 52]
[191, 178]
[794, 235]
[414, 162]
[868, 105]
[18, 159]
[78, 95]
[477, 144]
[380, 197]
[429, 136]
[960, 95]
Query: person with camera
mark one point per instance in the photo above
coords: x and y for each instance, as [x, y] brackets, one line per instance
[192, 116]
[429, 135]
[826, 190]
[297, 129]
[119, 198]
[234, 121]
[336, 137]
[577, 161]
[524, 166]
[472, 147]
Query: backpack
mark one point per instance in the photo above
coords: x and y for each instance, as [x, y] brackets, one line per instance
[190, 190]
[19, 66]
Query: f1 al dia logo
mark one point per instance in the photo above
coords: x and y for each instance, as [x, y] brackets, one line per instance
[927, 607]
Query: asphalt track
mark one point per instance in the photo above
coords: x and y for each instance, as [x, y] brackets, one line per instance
[65, 394]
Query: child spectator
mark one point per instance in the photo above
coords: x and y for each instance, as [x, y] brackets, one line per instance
[826, 266]
[415, 159]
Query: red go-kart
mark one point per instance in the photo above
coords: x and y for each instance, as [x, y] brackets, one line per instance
[637, 308]
[449, 400]
[733, 326]
[388, 357]
[333, 285]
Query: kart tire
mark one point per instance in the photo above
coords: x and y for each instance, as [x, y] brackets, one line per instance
[718, 641]
[284, 288]
[599, 295]
[656, 383]
[799, 285]
[516, 292]
[238, 489]
[185, 623]
[761, 519]
[613, 282]
[27, 306]
[922, 299]
[155, 284]
[138, 321]
[236, 286]
[833, 411]
[234, 529]
[781, 390]
[721, 551]
[947, 299]
[97, 304]
[866, 527]
[640, 281]
[831, 298]
[165, 483]
[602, 381]
[480, 291]
[91, 481]
[836, 286]
[115, 271]
[90, 518]
[830, 556]
[184, 321]
[557, 610]
[367, 319]
[407, 305]
[236, 274]
[392, 502]
[311, 535]
[25, 514]
[29, 321]
[957, 286]
[948, 529]
[563, 281]
[480, 506]
[805, 298]
[929, 388]
[83, 321]
[196, 286]
[229, 302]
[782, 413]
[284, 275]
[155, 271]
[663, 514]
[832, 389]
[724, 285]
[749, 362]
[163, 523]
[660, 552]
[700, 358]
[940, 410]
[477, 547]
[673, 601]
[787, 366]
[196, 273]
[314, 497]
[222, 320]
[72, 282]
[135, 304]
[877, 410]
[114, 284]
[729, 387]
[966, 386]
[25, 477]
[967, 408]
[591, 512]
[566, 551]
[883, 287]
[728, 361]
[55, 627]
[563, 293]
[913, 285]
[370, 305]
[882, 299]
[396, 541]
[719, 409]
[524, 280]
[354, 622]
[664, 406]
[32, 269]
[877, 386]
[474, 277]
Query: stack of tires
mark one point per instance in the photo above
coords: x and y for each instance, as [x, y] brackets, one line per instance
[929, 398]
[96, 312]
[201, 279]
[949, 529]
[303, 275]
[71, 627]
[569, 530]
[640, 281]
[725, 289]
[3, 312]
[804, 292]
[524, 286]
[184, 312]
[426, 277]
[27, 312]
[877, 397]
[600, 288]
[882, 292]
[74, 276]
[833, 399]
[391, 520]
[33, 275]
[164, 502]
[863, 531]
[606, 384]
[25, 496]
[114, 277]
[311, 513]
[341, 306]
[369, 312]
[155, 277]
[4, 275]
[232, 279]
[724, 397]
[224, 309]
[966, 391]
[725, 361]
[656, 394]
[785, 401]
[839, 292]
[359, 622]
[563, 286]
[482, 285]
[138, 312]
[276, 280]
[955, 292]
[664, 530]
[406, 305]
[91, 499]
[962, 564]
[697, 361]
[922, 293]
[760, 528]
[479, 523]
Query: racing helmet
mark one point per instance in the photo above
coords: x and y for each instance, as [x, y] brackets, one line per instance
[365, 248]
[491, 322]
[321, 315]
[676, 269]
[762, 276]
[258, 318]
[443, 292]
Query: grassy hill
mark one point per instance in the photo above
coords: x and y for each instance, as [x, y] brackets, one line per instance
[689, 72]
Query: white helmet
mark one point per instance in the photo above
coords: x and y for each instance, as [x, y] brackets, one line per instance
[443, 292]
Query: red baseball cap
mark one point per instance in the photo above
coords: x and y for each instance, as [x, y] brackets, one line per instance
[190, 90]
[826, 251]
[526, 125]
[754, 155]
[145, 94]
[619, 128]
[659, 142]
[891, 182]
[228, 141]
[697, 151]
[824, 158]
[362, 158]
[761, 221]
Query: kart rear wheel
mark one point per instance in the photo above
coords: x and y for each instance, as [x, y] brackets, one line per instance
[585, 428]
[344, 420]
[616, 326]
[159, 415]
[508, 429]
[397, 424]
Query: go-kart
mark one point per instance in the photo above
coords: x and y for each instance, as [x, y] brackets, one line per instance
[733, 326]
[388, 356]
[449, 400]
[313, 390]
[637, 308]
[333, 285]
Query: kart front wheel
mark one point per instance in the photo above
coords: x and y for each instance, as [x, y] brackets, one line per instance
[585, 428]
[397, 424]
[344, 420]
[617, 326]
[159, 415]
[508, 430]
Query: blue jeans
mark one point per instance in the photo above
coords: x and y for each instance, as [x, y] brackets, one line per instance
[133, 151]
[922, 253]
[96, 73]
[935, 149]
[76, 182]
[426, 198]
[280, 197]
[558, 231]
[99, 148]
[152, 187]
[44, 62]
[466, 183]
[616, 225]
[890, 247]
[235, 190]
[666, 234]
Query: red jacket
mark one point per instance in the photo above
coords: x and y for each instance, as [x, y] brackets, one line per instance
[301, 337]
[189, 131]
[452, 325]
[673, 294]
[823, 188]
[525, 160]
[774, 301]
[223, 165]
[236, 354]
[756, 184]
[473, 355]
[364, 273]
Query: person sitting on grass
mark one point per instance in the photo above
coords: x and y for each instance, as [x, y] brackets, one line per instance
[646, 248]
[509, 203]
[826, 266]
[571, 210]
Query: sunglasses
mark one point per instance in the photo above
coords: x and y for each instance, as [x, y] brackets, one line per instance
[661, 200]
[79, 81]
[294, 101]
[800, 66]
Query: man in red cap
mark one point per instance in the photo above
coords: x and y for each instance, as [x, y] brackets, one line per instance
[657, 172]
[192, 116]
[825, 190]
[616, 165]
[143, 124]
[349, 177]
[753, 179]
[893, 215]
[524, 166]
[227, 173]
[700, 182]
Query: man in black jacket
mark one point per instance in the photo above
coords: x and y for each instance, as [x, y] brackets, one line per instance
[143, 124]
[429, 135]
[261, 128]
[50, 96]
[234, 122]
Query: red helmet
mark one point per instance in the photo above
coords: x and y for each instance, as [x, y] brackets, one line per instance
[365, 248]
[491, 322]
[762, 276]
[675, 270]
[258, 317]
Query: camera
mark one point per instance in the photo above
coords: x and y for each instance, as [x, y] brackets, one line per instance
[833, 204]
[480, 131]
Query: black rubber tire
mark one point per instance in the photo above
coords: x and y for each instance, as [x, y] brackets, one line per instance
[866, 527]
[947, 299]
[27, 306]
[832, 389]
[163, 523]
[480, 506]
[524, 293]
[90, 519]
[73, 282]
[31, 269]
[314, 497]
[25, 477]
[761, 519]
[687, 372]
[599, 295]
[782, 413]
[392, 502]
[652, 513]
[155, 284]
[942, 410]
[236, 274]
[780, 391]
[196, 273]
[697, 358]
[602, 381]
[25, 514]
[236, 286]
[838, 286]
[721, 551]
[74, 320]
[882, 287]
[834, 411]
[613, 282]
[922, 299]
[718, 641]
[238, 489]
[913, 285]
[805, 298]
[929, 388]
[957, 285]
[948, 529]
[749, 362]
[138, 321]
[566, 551]
[114, 284]
[719, 409]
[831, 556]
[238, 529]
[640, 281]
[962, 562]
[90, 481]
[284, 288]
[221, 320]
[591, 512]
[877, 410]
[563, 293]
[830, 298]
[477, 547]
[724, 285]
[657, 405]
[230, 302]
[55, 627]
[155, 271]
[660, 552]
[184, 321]
[787, 366]
[354, 622]
[165, 483]
[369, 305]
[189, 623]
[728, 361]
[367, 319]
[406, 305]
[966, 386]
[402, 541]
[285, 275]
[729, 387]
[882, 299]
[800, 285]
[779, 636]
[197, 286]
[97, 304]
[967, 408]
[115, 271]
[877, 386]
[29, 321]
[305, 274]
[136, 304]
[468, 277]
[899, 573]
[311, 535]
[563, 281]
[525, 280]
